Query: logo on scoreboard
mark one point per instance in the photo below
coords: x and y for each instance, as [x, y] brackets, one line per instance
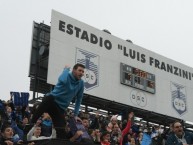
[138, 98]
[91, 62]
[179, 99]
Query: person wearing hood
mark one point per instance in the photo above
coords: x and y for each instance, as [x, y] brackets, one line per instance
[69, 86]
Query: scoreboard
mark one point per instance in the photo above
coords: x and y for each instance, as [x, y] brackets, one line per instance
[137, 78]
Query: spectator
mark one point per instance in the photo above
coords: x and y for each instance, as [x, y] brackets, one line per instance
[95, 135]
[23, 123]
[146, 140]
[7, 136]
[95, 122]
[156, 136]
[25, 112]
[105, 138]
[140, 137]
[179, 136]
[11, 116]
[85, 123]
[127, 128]
[23, 126]
[113, 121]
[79, 131]
[18, 133]
[35, 132]
[132, 141]
[115, 135]
[46, 125]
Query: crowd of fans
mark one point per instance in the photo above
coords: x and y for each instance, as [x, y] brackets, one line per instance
[16, 128]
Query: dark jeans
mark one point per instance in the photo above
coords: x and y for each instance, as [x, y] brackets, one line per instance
[49, 105]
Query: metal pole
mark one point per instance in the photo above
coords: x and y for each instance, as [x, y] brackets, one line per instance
[37, 61]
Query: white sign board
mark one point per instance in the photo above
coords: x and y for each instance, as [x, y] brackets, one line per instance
[73, 42]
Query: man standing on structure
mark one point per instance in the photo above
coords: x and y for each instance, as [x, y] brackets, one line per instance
[55, 103]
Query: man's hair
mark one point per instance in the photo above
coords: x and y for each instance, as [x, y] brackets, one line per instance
[104, 134]
[84, 118]
[78, 65]
[5, 125]
[176, 121]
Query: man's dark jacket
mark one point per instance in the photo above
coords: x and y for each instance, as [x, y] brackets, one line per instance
[172, 139]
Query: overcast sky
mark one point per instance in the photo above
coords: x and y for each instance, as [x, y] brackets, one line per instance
[162, 26]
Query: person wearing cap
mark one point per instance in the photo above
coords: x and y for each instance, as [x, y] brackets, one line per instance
[179, 136]
[113, 121]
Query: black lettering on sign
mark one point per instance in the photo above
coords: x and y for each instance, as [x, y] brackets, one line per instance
[170, 68]
[84, 35]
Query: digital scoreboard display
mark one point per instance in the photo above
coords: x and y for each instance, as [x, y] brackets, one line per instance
[137, 78]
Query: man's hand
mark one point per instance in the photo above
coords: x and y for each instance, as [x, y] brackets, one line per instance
[67, 66]
[97, 115]
[38, 122]
[77, 119]
[131, 115]
[9, 142]
[20, 142]
[31, 143]
[97, 132]
[76, 135]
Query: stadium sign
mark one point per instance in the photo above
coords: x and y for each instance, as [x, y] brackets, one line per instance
[128, 74]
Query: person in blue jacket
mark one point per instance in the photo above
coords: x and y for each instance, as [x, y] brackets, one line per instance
[146, 140]
[55, 103]
[179, 136]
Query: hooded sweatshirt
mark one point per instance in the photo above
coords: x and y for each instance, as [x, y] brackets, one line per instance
[66, 89]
